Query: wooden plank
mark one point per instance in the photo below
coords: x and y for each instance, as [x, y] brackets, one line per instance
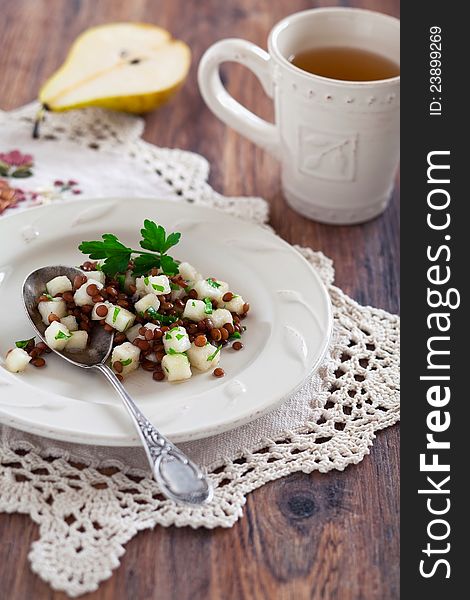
[329, 537]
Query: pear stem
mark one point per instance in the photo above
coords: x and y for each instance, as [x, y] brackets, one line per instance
[38, 120]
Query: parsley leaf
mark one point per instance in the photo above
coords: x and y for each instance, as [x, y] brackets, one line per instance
[23, 343]
[166, 319]
[144, 263]
[169, 265]
[208, 307]
[126, 362]
[214, 354]
[116, 255]
[60, 335]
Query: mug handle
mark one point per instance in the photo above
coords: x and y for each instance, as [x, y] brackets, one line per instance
[223, 105]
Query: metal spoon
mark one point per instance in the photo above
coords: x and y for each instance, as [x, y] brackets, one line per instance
[178, 477]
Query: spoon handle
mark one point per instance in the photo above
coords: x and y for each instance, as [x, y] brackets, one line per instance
[178, 477]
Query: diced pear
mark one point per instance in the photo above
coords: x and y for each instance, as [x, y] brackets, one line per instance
[59, 285]
[188, 272]
[96, 276]
[147, 301]
[70, 322]
[81, 297]
[56, 307]
[129, 280]
[119, 318]
[128, 355]
[176, 340]
[220, 316]
[57, 335]
[157, 284]
[133, 332]
[194, 310]
[17, 360]
[204, 357]
[235, 305]
[78, 341]
[177, 294]
[95, 316]
[176, 367]
[210, 288]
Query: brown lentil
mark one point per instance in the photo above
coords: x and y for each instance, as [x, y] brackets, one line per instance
[78, 281]
[158, 375]
[216, 335]
[157, 334]
[237, 345]
[149, 335]
[142, 330]
[97, 298]
[68, 297]
[229, 327]
[224, 333]
[43, 299]
[200, 341]
[38, 362]
[132, 289]
[143, 344]
[123, 303]
[117, 366]
[34, 353]
[120, 377]
[159, 355]
[111, 291]
[148, 365]
[87, 266]
[246, 308]
[87, 308]
[42, 347]
[53, 317]
[92, 289]
[108, 327]
[192, 294]
[219, 372]
[102, 310]
[227, 297]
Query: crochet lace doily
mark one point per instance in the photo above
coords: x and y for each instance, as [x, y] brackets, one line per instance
[88, 502]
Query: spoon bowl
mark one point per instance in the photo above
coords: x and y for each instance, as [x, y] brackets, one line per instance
[101, 341]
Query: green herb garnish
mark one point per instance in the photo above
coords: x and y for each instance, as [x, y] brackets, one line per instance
[121, 279]
[180, 336]
[166, 319]
[208, 307]
[49, 297]
[235, 335]
[126, 362]
[116, 255]
[187, 289]
[171, 352]
[146, 280]
[168, 335]
[157, 287]
[214, 354]
[174, 286]
[60, 335]
[213, 283]
[23, 343]
[117, 310]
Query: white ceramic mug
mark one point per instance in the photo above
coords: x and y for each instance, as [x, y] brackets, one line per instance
[337, 141]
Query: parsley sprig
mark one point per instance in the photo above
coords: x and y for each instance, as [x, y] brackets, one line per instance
[117, 256]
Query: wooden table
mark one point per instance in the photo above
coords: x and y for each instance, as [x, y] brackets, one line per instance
[332, 536]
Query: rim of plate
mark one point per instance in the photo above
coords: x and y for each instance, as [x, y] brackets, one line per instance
[266, 401]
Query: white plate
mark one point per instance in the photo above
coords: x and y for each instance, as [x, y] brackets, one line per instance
[288, 327]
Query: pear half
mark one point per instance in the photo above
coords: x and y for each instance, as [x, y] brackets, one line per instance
[131, 67]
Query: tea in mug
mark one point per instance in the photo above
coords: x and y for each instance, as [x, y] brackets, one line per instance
[348, 64]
